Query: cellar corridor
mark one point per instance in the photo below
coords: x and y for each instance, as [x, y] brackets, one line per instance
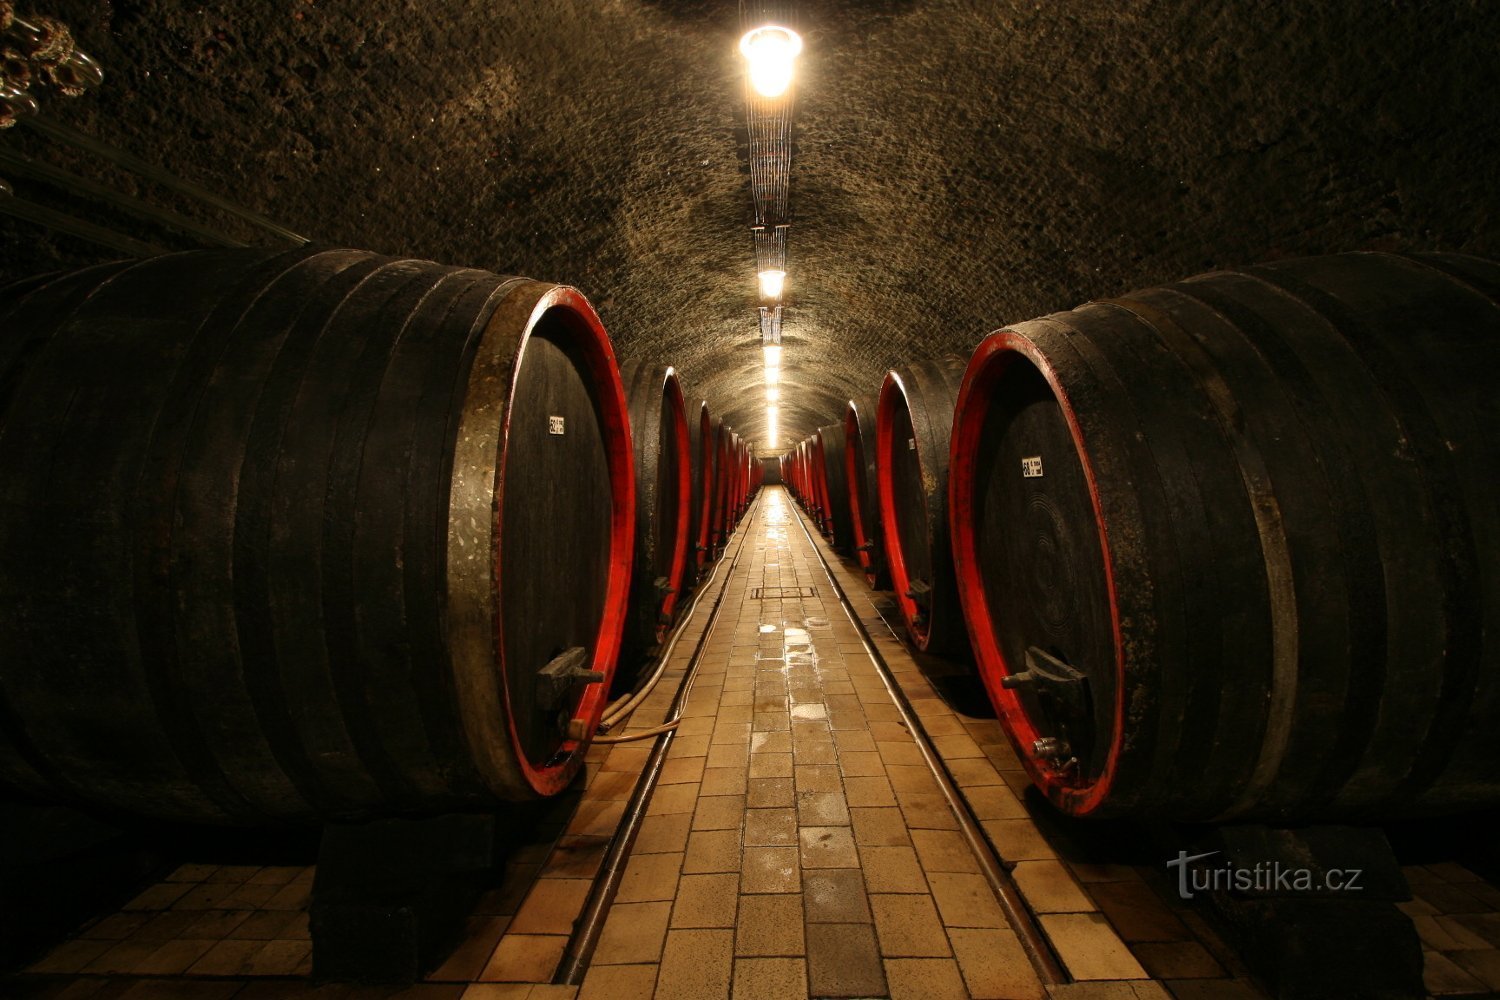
[797, 841]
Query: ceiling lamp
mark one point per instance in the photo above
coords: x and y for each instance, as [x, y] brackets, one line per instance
[773, 355]
[773, 375]
[771, 284]
[771, 52]
[773, 394]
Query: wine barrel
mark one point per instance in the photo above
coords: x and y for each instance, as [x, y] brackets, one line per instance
[835, 488]
[864, 491]
[736, 480]
[701, 443]
[304, 536]
[747, 490]
[718, 511]
[912, 420]
[664, 493]
[1229, 548]
[818, 483]
[796, 479]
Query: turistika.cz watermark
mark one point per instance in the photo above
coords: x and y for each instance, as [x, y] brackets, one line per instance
[1263, 876]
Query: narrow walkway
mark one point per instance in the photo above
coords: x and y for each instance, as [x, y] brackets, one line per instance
[798, 844]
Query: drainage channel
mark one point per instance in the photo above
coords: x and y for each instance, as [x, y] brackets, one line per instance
[590, 923]
[1017, 912]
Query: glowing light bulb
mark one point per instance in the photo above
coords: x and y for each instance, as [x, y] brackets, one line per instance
[771, 52]
[773, 355]
[773, 375]
[773, 394]
[771, 283]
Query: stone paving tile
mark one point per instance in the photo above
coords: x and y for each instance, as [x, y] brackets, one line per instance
[869, 792]
[943, 851]
[1138, 913]
[769, 978]
[770, 869]
[696, 965]
[1089, 947]
[965, 900]
[892, 869]
[835, 896]
[719, 812]
[725, 781]
[843, 960]
[1483, 965]
[649, 878]
[552, 906]
[616, 982]
[663, 834]
[769, 793]
[827, 847]
[523, 958]
[927, 811]
[668, 799]
[908, 926]
[712, 851]
[925, 979]
[1177, 960]
[1049, 888]
[770, 925]
[770, 827]
[822, 809]
[706, 900]
[994, 964]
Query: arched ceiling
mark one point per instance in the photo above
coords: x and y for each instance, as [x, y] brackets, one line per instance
[957, 165]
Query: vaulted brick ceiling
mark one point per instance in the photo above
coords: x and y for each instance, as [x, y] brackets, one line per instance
[957, 165]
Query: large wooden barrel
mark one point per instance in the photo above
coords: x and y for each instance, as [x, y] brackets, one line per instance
[1229, 548]
[804, 476]
[913, 419]
[835, 487]
[718, 511]
[701, 443]
[308, 535]
[663, 520]
[863, 483]
[736, 480]
[798, 463]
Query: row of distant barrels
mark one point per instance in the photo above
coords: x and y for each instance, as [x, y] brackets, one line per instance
[1223, 549]
[323, 535]
[695, 478]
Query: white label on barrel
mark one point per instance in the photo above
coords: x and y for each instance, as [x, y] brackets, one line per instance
[911, 444]
[1031, 468]
[554, 425]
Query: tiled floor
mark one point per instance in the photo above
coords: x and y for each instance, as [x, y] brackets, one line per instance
[797, 844]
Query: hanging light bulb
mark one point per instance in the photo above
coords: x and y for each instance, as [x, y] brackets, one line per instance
[773, 355]
[771, 283]
[771, 52]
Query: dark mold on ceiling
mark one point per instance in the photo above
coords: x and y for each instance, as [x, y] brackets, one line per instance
[957, 165]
